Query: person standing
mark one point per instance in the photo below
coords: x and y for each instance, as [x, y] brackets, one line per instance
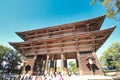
[7, 76]
[27, 68]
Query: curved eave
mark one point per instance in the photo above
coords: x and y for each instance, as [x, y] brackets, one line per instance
[92, 41]
[84, 23]
[16, 45]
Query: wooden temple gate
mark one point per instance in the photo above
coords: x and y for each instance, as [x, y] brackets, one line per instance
[80, 40]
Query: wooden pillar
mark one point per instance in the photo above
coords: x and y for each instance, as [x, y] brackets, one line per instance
[23, 67]
[62, 63]
[31, 62]
[46, 64]
[97, 63]
[78, 58]
[79, 63]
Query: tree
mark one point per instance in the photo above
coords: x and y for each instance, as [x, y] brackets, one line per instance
[111, 56]
[13, 59]
[112, 8]
[72, 67]
[3, 51]
[10, 56]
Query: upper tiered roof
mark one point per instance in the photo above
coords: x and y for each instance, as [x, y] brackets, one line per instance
[76, 27]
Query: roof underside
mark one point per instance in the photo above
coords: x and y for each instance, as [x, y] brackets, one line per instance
[85, 41]
[83, 26]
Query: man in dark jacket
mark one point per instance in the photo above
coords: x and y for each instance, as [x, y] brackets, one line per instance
[27, 68]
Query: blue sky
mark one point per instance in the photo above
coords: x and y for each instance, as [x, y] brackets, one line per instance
[23, 15]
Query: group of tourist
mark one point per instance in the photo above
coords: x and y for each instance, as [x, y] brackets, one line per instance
[27, 76]
[8, 76]
[48, 76]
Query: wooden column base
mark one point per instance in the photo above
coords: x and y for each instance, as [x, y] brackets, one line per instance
[52, 71]
[65, 72]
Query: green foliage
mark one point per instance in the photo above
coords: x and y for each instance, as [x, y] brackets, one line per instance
[118, 5]
[73, 67]
[12, 57]
[58, 69]
[3, 51]
[111, 57]
[112, 7]
[93, 2]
